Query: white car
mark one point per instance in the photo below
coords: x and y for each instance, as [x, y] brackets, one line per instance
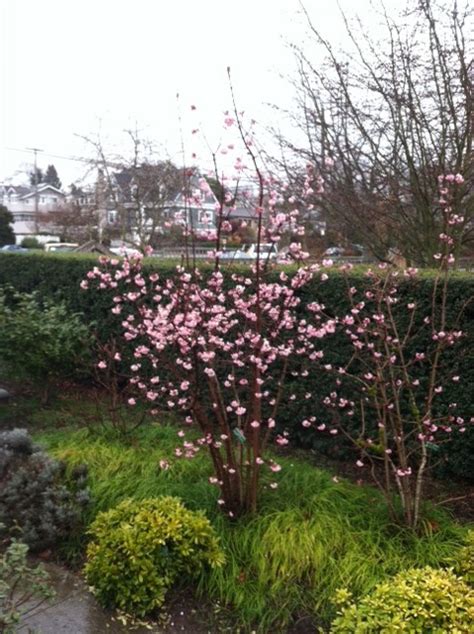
[60, 247]
[268, 251]
[124, 251]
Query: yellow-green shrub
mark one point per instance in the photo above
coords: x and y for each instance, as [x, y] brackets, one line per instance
[464, 561]
[418, 601]
[139, 549]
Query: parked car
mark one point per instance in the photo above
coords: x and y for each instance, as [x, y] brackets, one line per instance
[334, 251]
[60, 247]
[125, 251]
[268, 251]
[14, 248]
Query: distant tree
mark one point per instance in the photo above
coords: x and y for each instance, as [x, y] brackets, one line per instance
[6, 230]
[381, 119]
[51, 177]
[137, 187]
[74, 221]
[31, 243]
[39, 176]
[217, 188]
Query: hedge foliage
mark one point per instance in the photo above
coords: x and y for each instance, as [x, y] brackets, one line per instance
[41, 339]
[58, 276]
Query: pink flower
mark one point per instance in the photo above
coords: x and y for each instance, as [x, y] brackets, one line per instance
[102, 365]
[164, 464]
[359, 463]
[131, 401]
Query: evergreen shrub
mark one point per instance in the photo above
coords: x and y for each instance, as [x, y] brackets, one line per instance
[38, 503]
[140, 549]
[418, 600]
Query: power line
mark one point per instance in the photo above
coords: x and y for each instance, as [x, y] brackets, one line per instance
[60, 156]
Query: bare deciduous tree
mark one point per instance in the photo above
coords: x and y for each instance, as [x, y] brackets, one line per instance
[137, 188]
[383, 120]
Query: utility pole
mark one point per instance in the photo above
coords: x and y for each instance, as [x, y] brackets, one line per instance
[35, 150]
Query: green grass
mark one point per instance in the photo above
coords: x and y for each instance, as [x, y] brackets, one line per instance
[311, 536]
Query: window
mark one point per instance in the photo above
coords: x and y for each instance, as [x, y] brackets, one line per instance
[23, 217]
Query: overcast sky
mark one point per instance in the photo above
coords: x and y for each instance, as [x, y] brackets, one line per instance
[76, 67]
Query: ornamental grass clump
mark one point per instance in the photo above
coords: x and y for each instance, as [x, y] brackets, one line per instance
[140, 549]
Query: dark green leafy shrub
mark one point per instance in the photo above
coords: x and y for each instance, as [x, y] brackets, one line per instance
[37, 501]
[31, 243]
[40, 340]
[141, 548]
[58, 276]
[23, 588]
[418, 601]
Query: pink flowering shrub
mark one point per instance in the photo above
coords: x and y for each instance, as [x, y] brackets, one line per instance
[220, 355]
[399, 384]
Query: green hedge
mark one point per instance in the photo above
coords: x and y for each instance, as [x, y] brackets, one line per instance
[59, 275]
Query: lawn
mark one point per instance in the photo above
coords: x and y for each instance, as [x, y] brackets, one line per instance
[312, 535]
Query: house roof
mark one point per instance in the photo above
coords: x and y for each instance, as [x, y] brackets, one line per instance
[247, 213]
[19, 190]
[123, 178]
[41, 189]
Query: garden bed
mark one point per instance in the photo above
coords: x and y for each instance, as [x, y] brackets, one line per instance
[315, 533]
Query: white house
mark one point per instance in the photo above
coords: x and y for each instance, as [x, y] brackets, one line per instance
[29, 206]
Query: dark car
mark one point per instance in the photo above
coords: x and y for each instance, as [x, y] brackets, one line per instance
[14, 248]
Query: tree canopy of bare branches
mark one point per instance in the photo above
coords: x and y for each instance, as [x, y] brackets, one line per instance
[383, 119]
[136, 189]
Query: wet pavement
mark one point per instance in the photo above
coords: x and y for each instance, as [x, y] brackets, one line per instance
[74, 610]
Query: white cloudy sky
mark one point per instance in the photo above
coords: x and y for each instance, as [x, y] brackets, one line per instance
[77, 66]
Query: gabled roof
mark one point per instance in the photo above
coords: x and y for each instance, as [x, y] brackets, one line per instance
[41, 188]
[18, 190]
[123, 179]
